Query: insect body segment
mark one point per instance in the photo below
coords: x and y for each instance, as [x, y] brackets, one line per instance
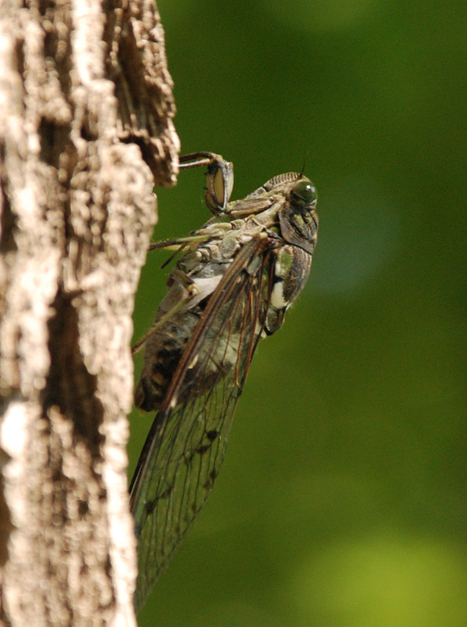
[241, 272]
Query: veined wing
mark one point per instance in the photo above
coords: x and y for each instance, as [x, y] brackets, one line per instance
[185, 447]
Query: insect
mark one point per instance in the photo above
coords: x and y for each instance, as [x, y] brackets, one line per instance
[236, 278]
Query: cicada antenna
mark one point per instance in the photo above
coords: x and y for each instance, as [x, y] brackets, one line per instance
[305, 159]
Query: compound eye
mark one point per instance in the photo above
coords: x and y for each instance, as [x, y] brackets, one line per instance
[306, 191]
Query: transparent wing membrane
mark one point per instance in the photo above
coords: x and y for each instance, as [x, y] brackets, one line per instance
[186, 445]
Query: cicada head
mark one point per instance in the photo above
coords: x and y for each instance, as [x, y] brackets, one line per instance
[298, 218]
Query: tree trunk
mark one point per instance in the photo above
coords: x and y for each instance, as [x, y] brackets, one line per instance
[86, 130]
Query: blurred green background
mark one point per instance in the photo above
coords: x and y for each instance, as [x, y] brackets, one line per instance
[342, 500]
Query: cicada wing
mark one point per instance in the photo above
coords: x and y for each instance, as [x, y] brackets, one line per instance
[185, 447]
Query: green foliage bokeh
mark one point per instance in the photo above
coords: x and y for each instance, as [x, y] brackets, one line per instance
[342, 499]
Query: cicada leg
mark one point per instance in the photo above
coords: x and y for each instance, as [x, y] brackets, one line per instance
[219, 178]
[177, 245]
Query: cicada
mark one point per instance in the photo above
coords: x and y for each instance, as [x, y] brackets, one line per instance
[237, 276]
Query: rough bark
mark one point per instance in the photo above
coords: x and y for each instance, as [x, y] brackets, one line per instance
[85, 131]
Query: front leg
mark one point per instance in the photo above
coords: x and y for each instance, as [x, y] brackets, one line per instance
[291, 270]
[219, 178]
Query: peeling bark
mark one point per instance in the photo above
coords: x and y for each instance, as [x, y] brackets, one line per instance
[86, 130]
